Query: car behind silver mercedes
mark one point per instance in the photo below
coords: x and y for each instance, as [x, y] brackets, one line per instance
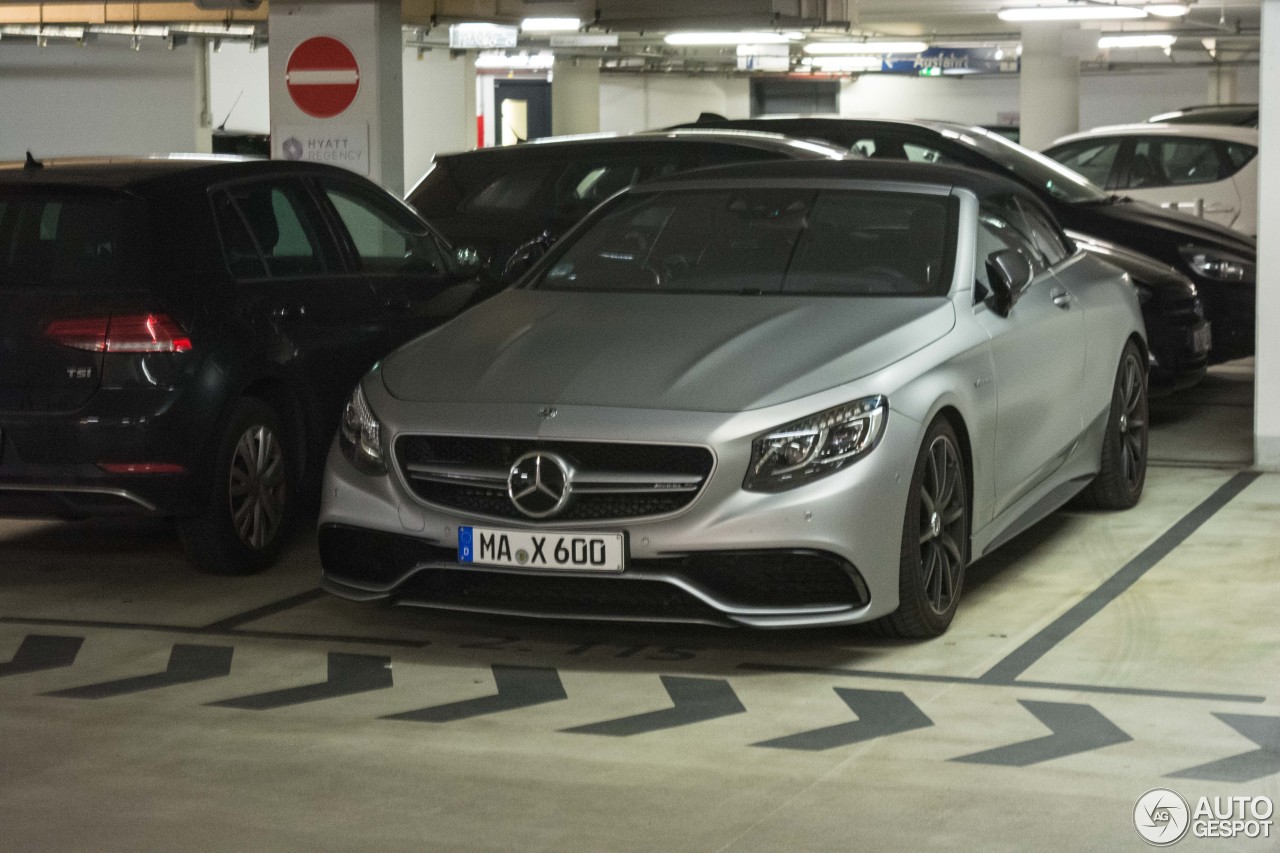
[777, 395]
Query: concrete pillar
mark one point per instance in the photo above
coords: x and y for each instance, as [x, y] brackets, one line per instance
[1266, 404]
[575, 97]
[439, 107]
[341, 104]
[1224, 85]
[1049, 83]
[203, 113]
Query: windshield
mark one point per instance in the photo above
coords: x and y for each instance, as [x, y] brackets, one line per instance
[763, 241]
[1049, 175]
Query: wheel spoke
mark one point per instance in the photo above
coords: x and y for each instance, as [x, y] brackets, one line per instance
[952, 515]
[929, 566]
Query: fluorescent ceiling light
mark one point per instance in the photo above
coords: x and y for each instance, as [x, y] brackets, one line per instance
[1070, 13]
[550, 25]
[845, 63]
[845, 48]
[130, 30]
[1137, 40]
[713, 38]
[42, 31]
[1167, 10]
[216, 30]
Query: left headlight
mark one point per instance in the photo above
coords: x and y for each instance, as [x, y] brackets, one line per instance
[1219, 265]
[813, 447]
[361, 435]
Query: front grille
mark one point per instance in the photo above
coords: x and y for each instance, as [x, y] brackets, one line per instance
[612, 480]
[1183, 311]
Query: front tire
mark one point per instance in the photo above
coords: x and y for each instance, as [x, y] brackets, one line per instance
[935, 539]
[250, 511]
[1123, 470]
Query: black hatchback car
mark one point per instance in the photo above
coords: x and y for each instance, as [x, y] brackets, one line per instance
[178, 336]
[1220, 262]
[510, 203]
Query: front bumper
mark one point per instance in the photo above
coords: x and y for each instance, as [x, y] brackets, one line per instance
[825, 553]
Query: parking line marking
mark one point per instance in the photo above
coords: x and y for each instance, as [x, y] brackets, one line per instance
[348, 674]
[187, 663]
[1075, 729]
[1247, 766]
[693, 701]
[217, 632]
[41, 651]
[267, 610]
[518, 687]
[1022, 658]
[880, 713]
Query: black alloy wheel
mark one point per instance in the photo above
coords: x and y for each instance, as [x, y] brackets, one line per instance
[1122, 470]
[935, 539]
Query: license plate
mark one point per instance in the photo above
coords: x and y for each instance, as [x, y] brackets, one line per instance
[560, 550]
[1201, 339]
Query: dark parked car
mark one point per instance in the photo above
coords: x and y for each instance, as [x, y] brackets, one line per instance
[512, 202]
[1220, 262]
[178, 337]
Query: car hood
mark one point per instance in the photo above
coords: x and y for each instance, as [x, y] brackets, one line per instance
[720, 353]
[1127, 216]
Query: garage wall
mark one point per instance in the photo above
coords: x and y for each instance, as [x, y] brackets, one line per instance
[630, 102]
[235, 72]
[65, 100]
[1104, 98]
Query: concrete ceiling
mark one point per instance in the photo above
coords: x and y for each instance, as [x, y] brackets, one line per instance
[1233, 25]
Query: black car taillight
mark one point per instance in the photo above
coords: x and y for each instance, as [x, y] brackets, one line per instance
[122, 333]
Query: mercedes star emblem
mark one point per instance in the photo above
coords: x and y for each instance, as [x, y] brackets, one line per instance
[540, 484]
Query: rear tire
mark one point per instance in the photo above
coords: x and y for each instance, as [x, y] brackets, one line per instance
[1123, 470]
[254, 489]
[935, 539]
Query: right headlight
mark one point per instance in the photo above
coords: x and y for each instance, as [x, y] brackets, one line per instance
[1219, 265]
[360, 435]
[816, 446]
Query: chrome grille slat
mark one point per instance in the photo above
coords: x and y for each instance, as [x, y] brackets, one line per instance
[610, 480]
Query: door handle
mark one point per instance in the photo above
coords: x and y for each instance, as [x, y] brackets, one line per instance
[289, 312]
[397, 305]
[1061, 298]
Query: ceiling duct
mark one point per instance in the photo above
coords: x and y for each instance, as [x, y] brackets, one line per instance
[228, 5]
[666, 15]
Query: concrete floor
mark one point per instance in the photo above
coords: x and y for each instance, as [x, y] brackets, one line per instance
[145, 707]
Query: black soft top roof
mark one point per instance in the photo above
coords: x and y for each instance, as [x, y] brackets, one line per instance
[981, 184]
[142, 175]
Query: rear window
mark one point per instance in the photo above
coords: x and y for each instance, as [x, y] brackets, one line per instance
[764, 241]
[60, 241]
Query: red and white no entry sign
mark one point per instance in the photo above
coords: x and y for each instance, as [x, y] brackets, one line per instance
[322, 77]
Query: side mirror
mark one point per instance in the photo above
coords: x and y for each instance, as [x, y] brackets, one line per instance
[1009, 272]
[466, 261]
[526, 255]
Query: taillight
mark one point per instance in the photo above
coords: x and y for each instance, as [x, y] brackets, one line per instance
[136, 333]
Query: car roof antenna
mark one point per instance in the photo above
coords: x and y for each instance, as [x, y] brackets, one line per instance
[234, 104]
[32, 162]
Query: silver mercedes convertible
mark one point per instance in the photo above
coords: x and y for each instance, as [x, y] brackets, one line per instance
[777, 395]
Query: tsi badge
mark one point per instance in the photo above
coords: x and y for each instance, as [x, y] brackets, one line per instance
[1163, 817]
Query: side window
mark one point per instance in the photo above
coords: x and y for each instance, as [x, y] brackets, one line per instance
[1238, 155]
[281, 223]
[386, 239]
[1162, 162]
[996, 232]
[1046, 236]
[586, 184]
[1091, 158]
[923, 154]
[242, 256]
[511, 192]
